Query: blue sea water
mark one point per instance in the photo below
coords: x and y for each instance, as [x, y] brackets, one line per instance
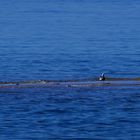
[69, 39]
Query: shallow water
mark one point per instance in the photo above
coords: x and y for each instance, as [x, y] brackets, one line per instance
[64, 40]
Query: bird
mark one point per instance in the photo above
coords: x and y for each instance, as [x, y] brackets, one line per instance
[102, 77]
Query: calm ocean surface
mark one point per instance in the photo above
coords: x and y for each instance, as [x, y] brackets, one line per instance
[69, 39]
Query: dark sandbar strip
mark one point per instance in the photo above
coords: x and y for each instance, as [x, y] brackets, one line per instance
[73, 83]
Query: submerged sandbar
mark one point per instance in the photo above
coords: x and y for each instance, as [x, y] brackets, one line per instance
[91, 82]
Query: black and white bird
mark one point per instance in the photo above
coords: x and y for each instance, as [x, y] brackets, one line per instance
[102, 77]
